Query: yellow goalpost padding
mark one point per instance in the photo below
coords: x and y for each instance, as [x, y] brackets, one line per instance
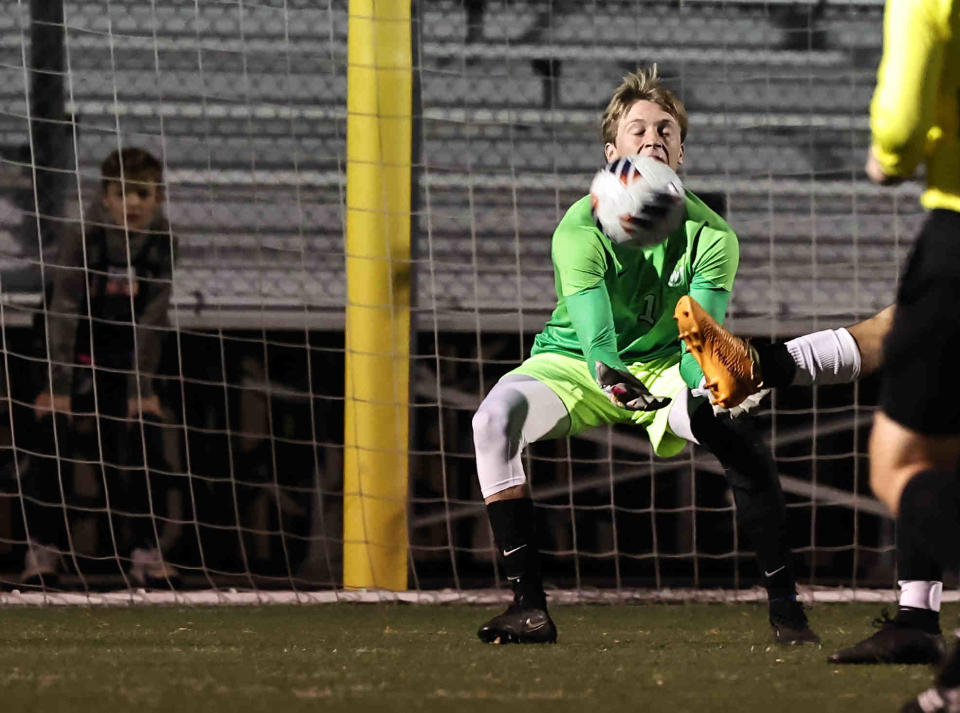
[376, 405]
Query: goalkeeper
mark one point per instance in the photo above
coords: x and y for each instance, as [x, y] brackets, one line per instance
[610, 353]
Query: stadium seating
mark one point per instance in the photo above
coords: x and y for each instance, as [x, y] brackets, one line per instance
[248, 109]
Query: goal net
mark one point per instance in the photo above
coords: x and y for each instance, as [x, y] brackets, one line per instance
[227, 474]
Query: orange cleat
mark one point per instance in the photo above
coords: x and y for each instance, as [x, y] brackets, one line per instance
[728, 362]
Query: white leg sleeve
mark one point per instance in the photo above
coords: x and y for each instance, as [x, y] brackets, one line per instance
[827, 357]
[678, 419]
[517, 411]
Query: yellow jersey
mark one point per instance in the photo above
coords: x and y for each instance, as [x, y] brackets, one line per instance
[915, 112]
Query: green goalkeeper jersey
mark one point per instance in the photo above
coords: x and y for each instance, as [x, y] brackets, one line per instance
[615, 302]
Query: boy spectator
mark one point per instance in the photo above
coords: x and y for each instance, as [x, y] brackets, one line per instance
[106, 319]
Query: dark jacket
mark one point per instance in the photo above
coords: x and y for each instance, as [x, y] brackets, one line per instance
[123, 286]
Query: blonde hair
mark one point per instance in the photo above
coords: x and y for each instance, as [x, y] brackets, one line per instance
[644, 84]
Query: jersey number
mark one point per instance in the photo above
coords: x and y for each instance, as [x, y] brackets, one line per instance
[646, 312]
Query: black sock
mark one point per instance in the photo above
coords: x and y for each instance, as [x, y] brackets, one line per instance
[929, 520]
[929, 517]
[514, 528]
[752, 475]
[780, 584]
[914, 564]
[926, 620]
[777, 367]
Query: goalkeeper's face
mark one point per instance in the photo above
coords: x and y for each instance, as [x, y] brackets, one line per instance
[647, 128]
[131, 204]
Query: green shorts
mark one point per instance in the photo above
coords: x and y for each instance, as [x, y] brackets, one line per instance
[588, 406]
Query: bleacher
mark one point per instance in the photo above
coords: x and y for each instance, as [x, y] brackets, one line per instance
[247, 104]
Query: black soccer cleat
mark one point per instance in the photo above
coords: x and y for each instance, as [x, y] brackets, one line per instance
[944, 697]
[789, 623]
[896, 642]
[520, 624]
[934, 700]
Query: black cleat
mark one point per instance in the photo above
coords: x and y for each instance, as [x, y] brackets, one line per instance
[520, 624]
[934, 700]
[789, 623]
[944, 697]
[896, 642]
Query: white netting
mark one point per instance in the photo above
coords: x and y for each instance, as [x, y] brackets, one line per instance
[245, 105]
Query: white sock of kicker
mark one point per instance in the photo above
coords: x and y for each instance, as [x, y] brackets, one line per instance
[827, 357]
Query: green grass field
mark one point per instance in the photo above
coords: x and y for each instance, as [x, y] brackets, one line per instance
[678, 658]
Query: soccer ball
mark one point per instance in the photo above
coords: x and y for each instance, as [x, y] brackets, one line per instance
[642, 188]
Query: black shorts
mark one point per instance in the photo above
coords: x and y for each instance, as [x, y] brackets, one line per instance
[921, 378]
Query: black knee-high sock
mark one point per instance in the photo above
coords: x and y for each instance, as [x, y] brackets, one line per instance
[929, 518]
[915, 564]
[752, 475]
[514, 528]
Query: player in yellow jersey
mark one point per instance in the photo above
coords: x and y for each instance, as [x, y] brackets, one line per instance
[915, 445]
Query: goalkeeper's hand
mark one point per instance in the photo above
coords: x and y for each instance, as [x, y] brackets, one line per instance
[749, 403]
[626, 390]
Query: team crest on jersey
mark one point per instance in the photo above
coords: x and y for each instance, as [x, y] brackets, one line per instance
[676, 277]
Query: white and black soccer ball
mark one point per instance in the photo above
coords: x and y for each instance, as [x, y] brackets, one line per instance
[640, 188]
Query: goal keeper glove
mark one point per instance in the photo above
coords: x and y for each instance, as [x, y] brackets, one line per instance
[626, 390]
